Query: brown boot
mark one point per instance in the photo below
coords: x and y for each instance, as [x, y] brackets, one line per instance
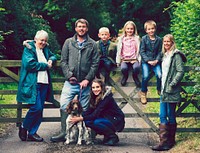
[164, 136]
[172, 134]
[143, 96]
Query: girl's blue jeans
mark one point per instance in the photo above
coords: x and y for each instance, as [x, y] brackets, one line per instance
[101, 126]
[146, 71]
[167, 113]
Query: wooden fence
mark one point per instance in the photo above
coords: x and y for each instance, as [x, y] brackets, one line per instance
[10, 75]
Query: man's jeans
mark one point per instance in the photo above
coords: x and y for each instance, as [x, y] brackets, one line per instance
[68, 93]
[146, 71]
[167, 113]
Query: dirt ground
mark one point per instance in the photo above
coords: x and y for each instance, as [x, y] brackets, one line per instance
[129, 142]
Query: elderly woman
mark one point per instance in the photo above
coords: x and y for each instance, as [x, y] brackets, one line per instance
[173, 70]
[35, 84]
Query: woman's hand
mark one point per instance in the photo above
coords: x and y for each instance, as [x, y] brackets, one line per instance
[50, 63]
[75, 119]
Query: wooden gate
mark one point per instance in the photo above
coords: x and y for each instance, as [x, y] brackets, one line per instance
[6, 67]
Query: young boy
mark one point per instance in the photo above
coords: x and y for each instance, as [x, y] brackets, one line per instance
[150, 51]
[107, 52]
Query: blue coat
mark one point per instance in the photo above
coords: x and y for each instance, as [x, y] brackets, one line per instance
[27, 90]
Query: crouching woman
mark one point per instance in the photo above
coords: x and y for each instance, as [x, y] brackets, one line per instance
[172, 74]
[104, 115]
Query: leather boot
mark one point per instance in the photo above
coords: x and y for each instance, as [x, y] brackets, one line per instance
[106, 75]
[136, 80]
[124, 78]
[111, 140]
[172, 134]
[143, 96]
[61, 136]
[164, 138]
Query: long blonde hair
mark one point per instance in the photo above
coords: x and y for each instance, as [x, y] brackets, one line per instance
[133, 24]
[171, 37]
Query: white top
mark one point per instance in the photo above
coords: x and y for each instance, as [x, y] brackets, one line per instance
[42, 76]
[165, 67]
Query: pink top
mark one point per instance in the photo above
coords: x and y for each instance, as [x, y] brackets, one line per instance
[129, 48]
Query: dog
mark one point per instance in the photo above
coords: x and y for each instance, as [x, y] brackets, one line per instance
[78, 132]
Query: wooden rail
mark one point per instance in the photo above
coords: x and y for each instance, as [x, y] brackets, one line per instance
[10, 76]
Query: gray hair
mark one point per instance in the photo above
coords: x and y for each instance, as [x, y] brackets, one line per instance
[41, 34]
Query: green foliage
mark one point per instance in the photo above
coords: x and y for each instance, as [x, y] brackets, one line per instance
[185, 28]
[24, 19]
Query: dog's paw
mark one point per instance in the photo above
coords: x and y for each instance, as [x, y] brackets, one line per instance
[66, 142]
[89, 143]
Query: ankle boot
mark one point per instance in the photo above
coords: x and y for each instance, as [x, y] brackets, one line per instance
[61, 136]
[111, 140]
[164, 138]
[143, 96]
[124, 78]
[136, 80]
[172, 134]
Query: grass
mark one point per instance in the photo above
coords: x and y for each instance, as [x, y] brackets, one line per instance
[186, 141]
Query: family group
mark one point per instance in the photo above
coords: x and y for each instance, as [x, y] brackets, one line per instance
[83, 60]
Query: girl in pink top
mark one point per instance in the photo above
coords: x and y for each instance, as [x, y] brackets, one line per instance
[128, 53]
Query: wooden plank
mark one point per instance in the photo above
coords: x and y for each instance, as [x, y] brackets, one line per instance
[14, 92]
[183, 106]
[6, 80]
[19, 105]
[10, 63]
[9, 73]
[132, 102]
[195, 104]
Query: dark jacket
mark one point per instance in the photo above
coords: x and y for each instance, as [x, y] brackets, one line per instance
[111, 52]
[107, 108]
[147, 52]
[27, 88]
[172, 87]
[81, 63]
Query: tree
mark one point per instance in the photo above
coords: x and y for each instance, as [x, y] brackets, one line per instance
[24, 20]
[185, 28]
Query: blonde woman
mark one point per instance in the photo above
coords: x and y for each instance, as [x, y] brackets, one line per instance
[172, 73]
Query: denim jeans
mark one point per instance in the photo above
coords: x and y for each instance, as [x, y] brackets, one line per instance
[135, 67]
[68, 93]
[106, 64]
[34, 115]
[101, 126]
[167, 113]
[146, 69]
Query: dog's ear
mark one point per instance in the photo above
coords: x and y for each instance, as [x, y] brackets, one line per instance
[68, 108]
[80, 107]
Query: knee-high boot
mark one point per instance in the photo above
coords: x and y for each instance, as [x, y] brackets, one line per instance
[61, 136]
[172, 134]
[164, 136]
